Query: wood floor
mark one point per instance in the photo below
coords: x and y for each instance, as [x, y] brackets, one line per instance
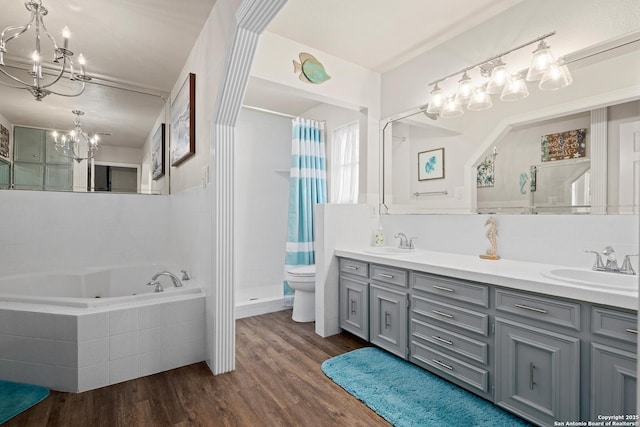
[277, 382]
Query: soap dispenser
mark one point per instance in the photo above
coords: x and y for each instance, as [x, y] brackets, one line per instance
[378, 236]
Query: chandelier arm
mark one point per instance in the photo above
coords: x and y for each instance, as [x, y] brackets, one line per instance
[14, 78]
[23, 28]
[69, 95]
[55, 45]
[59, 76]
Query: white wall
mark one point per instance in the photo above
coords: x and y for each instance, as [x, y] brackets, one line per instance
[261, 185]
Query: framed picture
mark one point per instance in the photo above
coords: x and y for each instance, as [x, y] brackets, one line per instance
[183, 122]
[564, 145]
[4, 142]
[431, 164]
[157, 153]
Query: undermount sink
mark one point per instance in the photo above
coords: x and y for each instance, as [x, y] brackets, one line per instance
[601, 279]
[389, 250]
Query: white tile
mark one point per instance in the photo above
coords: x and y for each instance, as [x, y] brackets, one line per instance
[184, 355]
[150, 316]
[123, 369]
[149, 363]
[174, 335]
[5, 321]
[44, 325]
[92, 326]
[195, 308]
[93, 352]
[7, 370]
[123, 321]
[67, 354]
[7, 346]
[123, 345]
[174, 312]
[92, 377]
[149, 340]
[66, 379]
[35, 350]
[66, 328]
[195, 330]
[35, 373]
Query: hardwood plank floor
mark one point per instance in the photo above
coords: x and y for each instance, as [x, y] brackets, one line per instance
[277, 382]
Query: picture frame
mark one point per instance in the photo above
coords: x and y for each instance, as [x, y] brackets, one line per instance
[183, 122]
[4, 142]
[431, 164]
[157, 152]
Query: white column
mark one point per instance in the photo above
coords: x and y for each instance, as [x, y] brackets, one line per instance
[599, 161]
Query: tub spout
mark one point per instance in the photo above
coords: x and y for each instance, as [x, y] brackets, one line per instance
[157, 284]
[176, 282]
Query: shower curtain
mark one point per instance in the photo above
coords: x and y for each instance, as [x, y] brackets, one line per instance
[307, 188]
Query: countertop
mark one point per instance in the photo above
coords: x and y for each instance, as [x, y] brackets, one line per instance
[517, 275]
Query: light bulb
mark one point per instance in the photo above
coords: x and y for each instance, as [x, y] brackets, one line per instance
[480, 100]
[451, 109]
[436, 101]
[515, 89]
[556, 77]
[542, 59]
[65, 35]
[465, 89]
[499, 77]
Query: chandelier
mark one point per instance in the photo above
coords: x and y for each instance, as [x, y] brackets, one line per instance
[498, 80]
[71, 144]
[61, 63]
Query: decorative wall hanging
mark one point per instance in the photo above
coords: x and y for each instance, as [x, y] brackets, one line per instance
[534, 174]
[523, 182]
[183, 122]
[311, 70]
[4, 142]
[431, 164]
[157, 152]
[564, 145]
[485, 177]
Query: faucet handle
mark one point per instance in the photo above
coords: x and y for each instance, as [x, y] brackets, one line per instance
[627, 268]
[157, 284]
[598, 265]
[185, 275]
[411, 245]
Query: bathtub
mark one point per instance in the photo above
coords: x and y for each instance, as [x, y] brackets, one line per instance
[81, 330]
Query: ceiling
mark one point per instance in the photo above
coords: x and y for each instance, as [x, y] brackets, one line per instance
[144, 44]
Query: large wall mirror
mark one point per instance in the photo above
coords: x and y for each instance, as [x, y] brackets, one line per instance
[574, 155]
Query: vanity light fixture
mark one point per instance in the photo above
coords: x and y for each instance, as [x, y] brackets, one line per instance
[553, 74]
[75, 141]
[39, 78]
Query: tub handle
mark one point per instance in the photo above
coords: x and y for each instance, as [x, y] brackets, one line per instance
[157, 284]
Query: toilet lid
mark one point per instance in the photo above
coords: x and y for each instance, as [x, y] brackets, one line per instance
[303, 270]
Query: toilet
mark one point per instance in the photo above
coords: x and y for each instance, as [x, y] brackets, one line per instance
[302, 279]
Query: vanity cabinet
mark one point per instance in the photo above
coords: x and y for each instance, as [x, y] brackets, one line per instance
[613, 361]
[354, 297]
[537, 356]
[449, 330]
[388, 309]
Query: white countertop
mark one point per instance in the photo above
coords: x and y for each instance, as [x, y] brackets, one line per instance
[520, 275]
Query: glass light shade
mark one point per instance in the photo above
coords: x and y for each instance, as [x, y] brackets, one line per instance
[515, 89]
[499, 77]
[480, 100]
[451, 109]
[436, 102]
[465, 89]
[556, 77]
[541, 61]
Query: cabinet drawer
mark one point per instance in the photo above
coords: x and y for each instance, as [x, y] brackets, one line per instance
[438, 337]
[472, 376]
[452, 315]
[548, 310]
[394, 276]
[460, 290]
[614, 324]
[357, 268]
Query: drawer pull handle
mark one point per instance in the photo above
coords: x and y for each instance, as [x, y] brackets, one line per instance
[386, 276]
[526, 307]
[350, 267]
[632, 331]
[441, 288]
[387, 320]
[353, 306]
[444, 365]
[531, 381]
[439, 313]
[437, 338]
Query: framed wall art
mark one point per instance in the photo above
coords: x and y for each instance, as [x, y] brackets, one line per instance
[4, 142]
[564, 145]
[431, 164]
[157, 152]
[183, 122]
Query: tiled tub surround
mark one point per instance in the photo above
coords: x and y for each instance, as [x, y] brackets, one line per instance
[77, 349]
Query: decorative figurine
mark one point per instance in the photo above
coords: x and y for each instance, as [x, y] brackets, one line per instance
[492, 234]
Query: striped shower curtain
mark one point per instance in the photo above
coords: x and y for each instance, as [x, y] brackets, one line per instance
[307, 188]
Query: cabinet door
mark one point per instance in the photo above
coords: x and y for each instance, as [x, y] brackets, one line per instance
[28, 176]
[58, 177]
[537, 372]
[613, 381]
[28, 145]
[354, 307]
[389, 320]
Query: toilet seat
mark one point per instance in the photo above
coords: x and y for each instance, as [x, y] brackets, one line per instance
[302, 271]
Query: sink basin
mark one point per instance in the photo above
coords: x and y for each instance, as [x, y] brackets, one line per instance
[389, 250]
[600, 279]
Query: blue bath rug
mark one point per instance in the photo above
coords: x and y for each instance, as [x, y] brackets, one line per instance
[17, 397]
[407, 395]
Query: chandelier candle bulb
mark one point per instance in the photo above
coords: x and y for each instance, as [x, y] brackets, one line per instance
[65, 35]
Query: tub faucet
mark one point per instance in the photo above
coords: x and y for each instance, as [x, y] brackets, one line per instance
[155, 282]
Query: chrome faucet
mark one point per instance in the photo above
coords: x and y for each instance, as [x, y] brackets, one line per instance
[405, 242]
[612, 262]
[155, 282]
[626, 265]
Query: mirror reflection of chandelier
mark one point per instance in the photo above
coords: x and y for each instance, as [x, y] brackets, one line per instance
[40, 83]
[71, 144]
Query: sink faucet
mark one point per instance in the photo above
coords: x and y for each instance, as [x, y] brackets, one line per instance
[405, 242]
[626, 265]
[155, 282]
[612, 262]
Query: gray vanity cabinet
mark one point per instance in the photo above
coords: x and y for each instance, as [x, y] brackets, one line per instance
[388, 309]
[354, 297]
[613, 362]
[537, 362]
